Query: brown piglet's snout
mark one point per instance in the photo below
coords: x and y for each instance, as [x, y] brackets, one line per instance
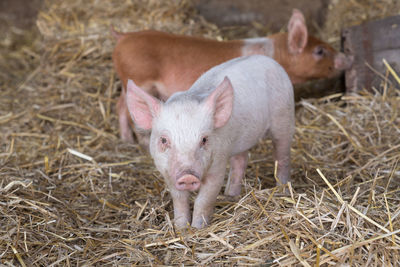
[343, 62]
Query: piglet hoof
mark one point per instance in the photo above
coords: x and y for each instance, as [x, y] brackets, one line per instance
[283, 189]
[181, 223]
[233, 190]
[127, 137]
[229, 198]
[200, 222]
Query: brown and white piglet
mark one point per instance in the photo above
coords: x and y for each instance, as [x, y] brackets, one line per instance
[196, 132]
[162, 63]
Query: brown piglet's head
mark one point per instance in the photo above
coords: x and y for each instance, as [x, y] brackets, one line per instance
[306, 57]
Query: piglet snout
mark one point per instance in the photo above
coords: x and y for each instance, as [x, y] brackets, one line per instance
[187, 182]
[343, 62]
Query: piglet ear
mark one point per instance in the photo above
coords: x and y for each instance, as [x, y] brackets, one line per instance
[142, 106]
[298, 35]
[220, 101]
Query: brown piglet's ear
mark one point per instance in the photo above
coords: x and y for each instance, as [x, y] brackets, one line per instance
[297, 33]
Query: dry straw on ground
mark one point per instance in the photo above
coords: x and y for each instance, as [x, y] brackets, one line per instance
[72, 194]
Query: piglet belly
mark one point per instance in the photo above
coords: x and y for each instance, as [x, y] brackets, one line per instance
[248, 135]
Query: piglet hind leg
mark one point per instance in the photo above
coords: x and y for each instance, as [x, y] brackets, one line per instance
[281, 132]
[143, 138]
[206, 198]
[126, 131]
[282, 145]
[123, 119]
[236, 174]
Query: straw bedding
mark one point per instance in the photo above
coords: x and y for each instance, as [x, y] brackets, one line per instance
[73, 194]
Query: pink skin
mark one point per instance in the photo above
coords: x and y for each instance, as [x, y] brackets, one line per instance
[187, 182]
[162, 64]
[195, 133]
[204, 204]
[144, 109]
[236, 174]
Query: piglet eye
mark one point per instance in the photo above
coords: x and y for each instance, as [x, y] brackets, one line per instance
[163, 143]
[204, 141]
[319, 51]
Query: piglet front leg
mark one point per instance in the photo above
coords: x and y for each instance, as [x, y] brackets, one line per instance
[206, 198]
[180, 201]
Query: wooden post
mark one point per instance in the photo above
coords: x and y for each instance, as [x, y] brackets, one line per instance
[370, 43]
